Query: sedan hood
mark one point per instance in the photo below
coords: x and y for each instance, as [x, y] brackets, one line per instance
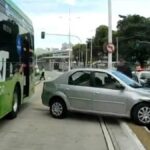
[143, 92]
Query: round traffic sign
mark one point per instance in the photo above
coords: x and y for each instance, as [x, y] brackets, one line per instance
[110, 47]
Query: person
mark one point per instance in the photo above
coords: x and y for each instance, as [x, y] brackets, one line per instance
[139, 68]
[26, 57]
[42, 74]
[124, 68]
[25, 65]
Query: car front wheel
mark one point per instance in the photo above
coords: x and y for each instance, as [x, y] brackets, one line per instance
[58, 109]
[141, 114]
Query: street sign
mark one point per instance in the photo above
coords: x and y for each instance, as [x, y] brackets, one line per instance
[110, 48]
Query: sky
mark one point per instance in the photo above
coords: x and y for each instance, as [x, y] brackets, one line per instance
[80, 17]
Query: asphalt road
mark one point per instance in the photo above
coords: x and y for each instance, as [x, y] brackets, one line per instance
[35, 129]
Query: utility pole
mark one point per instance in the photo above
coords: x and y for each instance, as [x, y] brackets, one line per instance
[86, 56]
[70, 48]
[117, 48]
[91, 55]
[109, 33]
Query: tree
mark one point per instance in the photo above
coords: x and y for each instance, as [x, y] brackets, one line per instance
[132, 30]
[101, 40]
[79, 52]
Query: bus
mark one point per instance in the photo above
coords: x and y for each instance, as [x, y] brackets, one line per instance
[16, 58]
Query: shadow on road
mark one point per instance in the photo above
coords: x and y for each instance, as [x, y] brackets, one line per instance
[81, 116]
[24, 106]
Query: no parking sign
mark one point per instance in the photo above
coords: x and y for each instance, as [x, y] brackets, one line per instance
[110, 48]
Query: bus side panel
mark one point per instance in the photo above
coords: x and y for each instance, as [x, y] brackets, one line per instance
[15, 27]
[6, 94]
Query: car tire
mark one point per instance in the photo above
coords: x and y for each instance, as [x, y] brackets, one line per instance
[141, 114]
[15, 105]
[58, 109]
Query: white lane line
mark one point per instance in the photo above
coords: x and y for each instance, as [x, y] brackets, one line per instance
[132, 135]
[147, 130]
[106, 135]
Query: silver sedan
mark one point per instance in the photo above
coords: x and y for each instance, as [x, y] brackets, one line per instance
[105, 92]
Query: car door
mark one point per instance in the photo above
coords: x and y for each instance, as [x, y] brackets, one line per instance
[108, 99]
[78, 90]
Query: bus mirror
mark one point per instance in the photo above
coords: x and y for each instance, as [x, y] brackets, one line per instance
[42, 35]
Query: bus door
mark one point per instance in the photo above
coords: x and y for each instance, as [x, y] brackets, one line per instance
[27, 60]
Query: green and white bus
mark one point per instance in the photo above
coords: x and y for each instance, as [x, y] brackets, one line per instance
[16, 58]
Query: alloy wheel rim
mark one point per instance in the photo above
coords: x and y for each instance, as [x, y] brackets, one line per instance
[144, 115]
[57, 109]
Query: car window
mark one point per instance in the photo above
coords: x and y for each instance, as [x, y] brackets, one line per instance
[104, 80]
[130, 82]
[80, 78]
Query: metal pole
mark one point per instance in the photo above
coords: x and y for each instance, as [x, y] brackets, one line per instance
[91, 55]
[69, 60]
[79, 58]
[86, 56]
[117, 48]
[109, 33]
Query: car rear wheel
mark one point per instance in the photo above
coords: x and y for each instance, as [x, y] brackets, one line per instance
[141, 114]
[58, 108]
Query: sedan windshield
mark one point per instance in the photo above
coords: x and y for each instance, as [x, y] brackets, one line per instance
[126, 79]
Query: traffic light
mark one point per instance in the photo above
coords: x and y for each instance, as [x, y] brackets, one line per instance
[42, 35]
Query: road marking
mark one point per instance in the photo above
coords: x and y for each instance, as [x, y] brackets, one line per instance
[106, 135]
[132, 135]
[147, 130]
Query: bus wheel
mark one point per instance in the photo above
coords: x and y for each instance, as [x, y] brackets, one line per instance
[15, 105]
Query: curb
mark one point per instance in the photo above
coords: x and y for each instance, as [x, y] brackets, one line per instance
[132, 135]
